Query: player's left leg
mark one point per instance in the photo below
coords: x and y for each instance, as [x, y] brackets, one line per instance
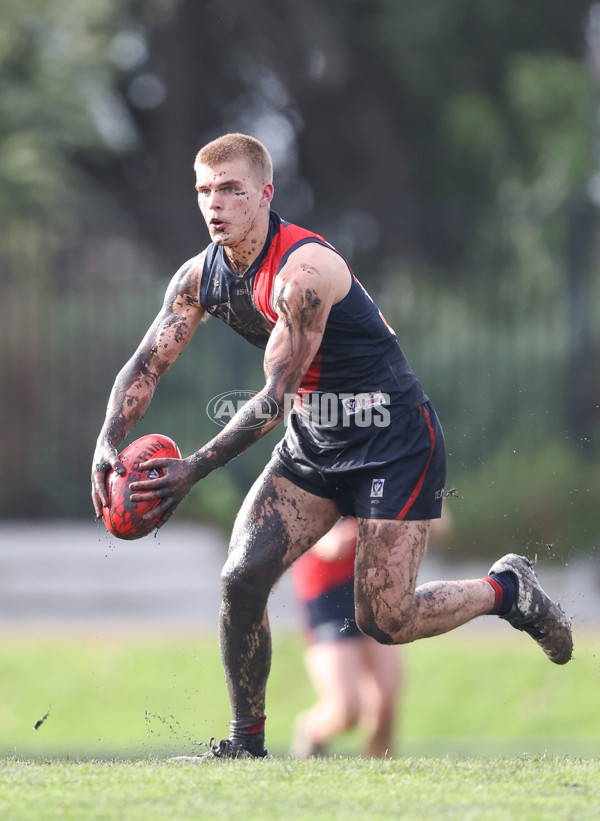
[389, 606]
[391, 609]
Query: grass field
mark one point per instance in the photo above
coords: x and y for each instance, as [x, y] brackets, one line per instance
[135, 696]
[419, 789]
[489, 730]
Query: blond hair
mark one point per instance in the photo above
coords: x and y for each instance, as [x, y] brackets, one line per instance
[234, 147]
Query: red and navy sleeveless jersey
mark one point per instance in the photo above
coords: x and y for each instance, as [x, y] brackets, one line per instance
[359, 352]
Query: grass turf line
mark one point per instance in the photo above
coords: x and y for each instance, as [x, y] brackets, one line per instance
[436, 789]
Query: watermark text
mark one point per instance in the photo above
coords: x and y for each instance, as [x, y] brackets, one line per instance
[362, 410]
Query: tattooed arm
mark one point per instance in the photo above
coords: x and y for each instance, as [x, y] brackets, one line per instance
[311, 282]
[313, 279]
[135, 384]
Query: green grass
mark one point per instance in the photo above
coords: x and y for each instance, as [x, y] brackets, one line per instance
[489, 730]
[470, 693]
[498, 789]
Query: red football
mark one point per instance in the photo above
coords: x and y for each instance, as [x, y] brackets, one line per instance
[123, 518]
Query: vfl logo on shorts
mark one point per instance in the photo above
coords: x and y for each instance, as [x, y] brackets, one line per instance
[377, 488]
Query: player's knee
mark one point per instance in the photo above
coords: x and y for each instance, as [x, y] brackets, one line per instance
[385, 627]
[367, 623]
[241, 582]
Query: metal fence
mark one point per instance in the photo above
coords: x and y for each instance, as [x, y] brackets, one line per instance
[519, 378]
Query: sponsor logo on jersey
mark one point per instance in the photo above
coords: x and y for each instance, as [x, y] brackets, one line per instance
[364, 401]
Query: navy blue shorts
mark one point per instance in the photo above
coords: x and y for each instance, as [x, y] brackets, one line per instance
[331, 615]
[397, 472]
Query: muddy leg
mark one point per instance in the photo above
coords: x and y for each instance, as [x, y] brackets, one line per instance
[276, 524]
[390, 607]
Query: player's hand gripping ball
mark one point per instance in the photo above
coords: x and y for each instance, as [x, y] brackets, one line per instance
[124, 518]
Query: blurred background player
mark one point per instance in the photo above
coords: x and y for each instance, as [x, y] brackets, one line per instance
[357, 680]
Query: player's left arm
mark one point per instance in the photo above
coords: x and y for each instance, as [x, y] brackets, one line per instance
[311, 282]
[313, 279]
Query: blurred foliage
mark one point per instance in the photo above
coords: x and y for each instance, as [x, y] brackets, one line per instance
[447, 148]
[536, 493]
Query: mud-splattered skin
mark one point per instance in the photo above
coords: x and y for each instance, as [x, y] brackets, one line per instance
[135, 384]
[234, 205]
[277, 523]
[389, 606]
[292, 346]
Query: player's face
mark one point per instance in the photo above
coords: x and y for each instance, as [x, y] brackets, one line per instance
[231, 200]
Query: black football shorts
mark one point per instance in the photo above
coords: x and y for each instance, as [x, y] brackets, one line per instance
[394, 472]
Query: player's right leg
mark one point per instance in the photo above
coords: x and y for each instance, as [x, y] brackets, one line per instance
[276, 524]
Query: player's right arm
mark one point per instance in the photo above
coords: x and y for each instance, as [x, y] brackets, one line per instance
[136, 382]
